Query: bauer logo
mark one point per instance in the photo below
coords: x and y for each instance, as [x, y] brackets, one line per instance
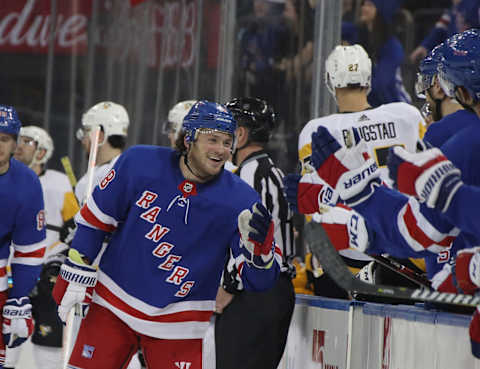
[370, 170]
[88, 351]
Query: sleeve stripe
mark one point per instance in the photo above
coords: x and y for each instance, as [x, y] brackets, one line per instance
[99, 214]
[182, 316]
[240, 268]
[92, 220]
[412, 226]
[29, 248]
[34, 254]
[278, 251]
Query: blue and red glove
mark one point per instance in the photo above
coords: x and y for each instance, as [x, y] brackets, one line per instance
[427, 175]
[463, 276]
[256, 236]
[345, 228]
[349, 170]
[17, 321]
[467, 270]
[306, 197]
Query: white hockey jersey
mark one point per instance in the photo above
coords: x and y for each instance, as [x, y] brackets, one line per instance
[60, 205]
[381, 128]
[100, 172]
[388, 125]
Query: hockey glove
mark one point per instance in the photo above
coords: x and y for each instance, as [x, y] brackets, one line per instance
[67, 232]
[17, 321]
[349, 170]
[428, 175]
[345, 229]
[306, 197]
[467, 270]
[256, 236]
[74, 286]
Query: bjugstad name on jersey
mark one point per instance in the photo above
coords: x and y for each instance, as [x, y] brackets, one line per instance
[372, 132]
[163, 249]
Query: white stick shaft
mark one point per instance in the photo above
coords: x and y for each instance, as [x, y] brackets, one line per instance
[92, 158]
[71, 323]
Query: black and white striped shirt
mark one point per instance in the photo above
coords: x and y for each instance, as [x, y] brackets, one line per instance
[259, 171]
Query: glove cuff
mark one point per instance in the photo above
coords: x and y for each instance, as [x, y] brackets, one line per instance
[75, 273]
[356, 185]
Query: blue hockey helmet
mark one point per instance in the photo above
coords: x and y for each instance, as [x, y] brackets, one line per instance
[206, 115]
[428, 70]
[9, 122]
[460, 65]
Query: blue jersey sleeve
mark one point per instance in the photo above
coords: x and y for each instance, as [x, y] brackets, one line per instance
[463, 150]
[463, 210]
[411, 229]
[107, 206]
[28, 238]
[254, 279]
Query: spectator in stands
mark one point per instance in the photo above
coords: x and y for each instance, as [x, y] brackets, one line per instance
[301, 46]
[263, 42]
[462, 15]
[385, 50]
[348, 11]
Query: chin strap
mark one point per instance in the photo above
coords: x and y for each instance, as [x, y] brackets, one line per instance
[202, 178]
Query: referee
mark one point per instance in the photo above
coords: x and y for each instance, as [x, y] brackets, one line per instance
[251, 327]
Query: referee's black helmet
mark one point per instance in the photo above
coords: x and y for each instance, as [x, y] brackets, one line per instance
[256, 115]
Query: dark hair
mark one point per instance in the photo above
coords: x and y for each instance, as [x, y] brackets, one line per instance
[117, 141]
[180, 143]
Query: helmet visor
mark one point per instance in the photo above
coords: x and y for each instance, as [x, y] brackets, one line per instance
[423, 83]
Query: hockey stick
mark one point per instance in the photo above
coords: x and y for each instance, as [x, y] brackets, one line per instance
[71, 320]
[403, 270]
[67, 167]
[333, 264]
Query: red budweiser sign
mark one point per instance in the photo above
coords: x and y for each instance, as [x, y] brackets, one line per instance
[25, 26]
[169, 34]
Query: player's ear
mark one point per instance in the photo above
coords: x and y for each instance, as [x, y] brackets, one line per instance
[40, 154]
[241, 134]
[101, 137]
[437, 90]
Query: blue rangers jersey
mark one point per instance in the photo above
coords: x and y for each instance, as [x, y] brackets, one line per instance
[437, 134]
[169, 241]
[22, 226]
[441, 131]
[417, 229]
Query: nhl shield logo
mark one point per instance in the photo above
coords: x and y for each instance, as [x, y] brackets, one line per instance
[187, 188]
